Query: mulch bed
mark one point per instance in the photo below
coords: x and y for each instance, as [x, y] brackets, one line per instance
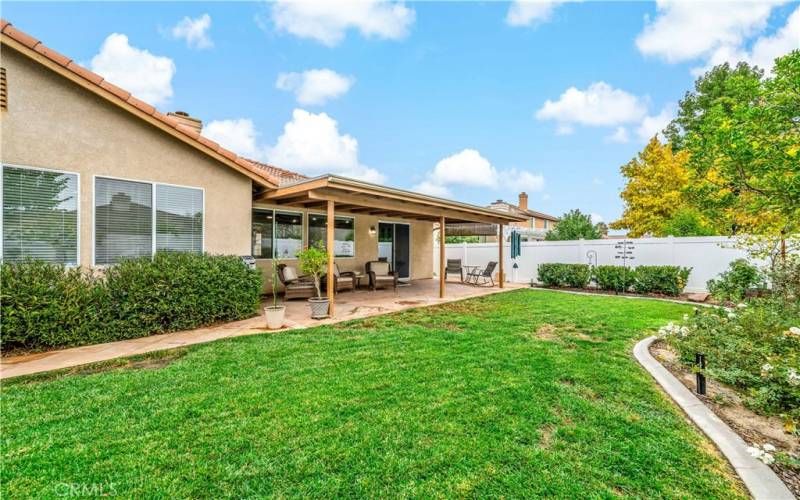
[727, 405]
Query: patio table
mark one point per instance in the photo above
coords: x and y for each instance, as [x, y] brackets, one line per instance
[469, 271]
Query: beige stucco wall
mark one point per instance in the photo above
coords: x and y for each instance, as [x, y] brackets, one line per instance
[366, 245]
[53, 123]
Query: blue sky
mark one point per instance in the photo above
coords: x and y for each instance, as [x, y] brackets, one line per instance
[466, 100]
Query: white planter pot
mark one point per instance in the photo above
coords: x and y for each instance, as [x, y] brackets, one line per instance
[319, 307]
[274, 315]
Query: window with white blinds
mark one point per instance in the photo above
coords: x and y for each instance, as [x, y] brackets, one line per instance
[179, 219]
[40, 215]
[123, 220]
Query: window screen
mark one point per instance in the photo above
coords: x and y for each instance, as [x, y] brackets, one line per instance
[343, 234]
[123, 220]
[179, 219]
[288, 234]
[40, 215]
[262, 234]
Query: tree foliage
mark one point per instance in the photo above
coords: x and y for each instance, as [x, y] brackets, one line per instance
[686, 221]
[574, 225]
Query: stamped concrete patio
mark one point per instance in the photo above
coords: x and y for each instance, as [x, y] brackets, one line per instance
[349, 305]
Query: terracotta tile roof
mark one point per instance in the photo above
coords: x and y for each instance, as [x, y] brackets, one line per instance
[267, 176]
[283, 175]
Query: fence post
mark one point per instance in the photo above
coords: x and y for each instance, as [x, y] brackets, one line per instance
[465, 249]
[671, 241]
[581, 254]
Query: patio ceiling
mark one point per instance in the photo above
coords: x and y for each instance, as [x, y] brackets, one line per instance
[354, 196]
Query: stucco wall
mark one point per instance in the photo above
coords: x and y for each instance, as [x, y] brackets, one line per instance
[53, 123]
[366, 245]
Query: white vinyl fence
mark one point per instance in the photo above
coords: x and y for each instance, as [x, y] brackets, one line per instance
[707, 256]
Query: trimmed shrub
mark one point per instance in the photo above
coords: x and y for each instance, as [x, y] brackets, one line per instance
[616, 278]
[667, 280]
[733, 284]
[569, 275]
[45, 305]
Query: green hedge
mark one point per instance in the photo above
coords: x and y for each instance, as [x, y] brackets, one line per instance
[733, 284]
[614, 278]
[666, 280]
[44, 305]
[568, 275]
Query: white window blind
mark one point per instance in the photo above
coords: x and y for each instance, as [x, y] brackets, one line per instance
[123, 220]
[179, 219]
[40, 215]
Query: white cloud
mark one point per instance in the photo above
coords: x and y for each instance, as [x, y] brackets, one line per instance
[596, 218]
[764, 50]
[652, 125]
[620, 135]
[599, 105]
[238, 135]
[315, 86]
[469, 168]
[311, 143]
[531, 12]
[146, 76]
[328, 22]
[194, 31]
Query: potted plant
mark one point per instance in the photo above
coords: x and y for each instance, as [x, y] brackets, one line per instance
[313, 261]
[275, 313]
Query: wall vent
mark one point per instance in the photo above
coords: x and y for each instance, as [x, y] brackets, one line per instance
[3, 90]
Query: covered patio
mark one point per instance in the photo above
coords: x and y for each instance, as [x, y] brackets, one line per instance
[340, 195]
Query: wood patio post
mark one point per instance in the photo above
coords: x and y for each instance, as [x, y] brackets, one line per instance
[442, 257]
[500, 239]
[329, 245]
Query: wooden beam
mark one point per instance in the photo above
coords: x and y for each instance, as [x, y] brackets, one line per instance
[329, 235]
[441, 257]
[500, 239]
[295, 189]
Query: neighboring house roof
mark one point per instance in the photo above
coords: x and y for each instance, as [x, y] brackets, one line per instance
[51, 59]
[282, 175]
[508, 207]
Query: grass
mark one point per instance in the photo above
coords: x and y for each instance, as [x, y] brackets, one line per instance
[521, 394]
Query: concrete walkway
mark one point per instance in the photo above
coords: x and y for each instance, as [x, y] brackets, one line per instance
[759, 479]
[349, 305]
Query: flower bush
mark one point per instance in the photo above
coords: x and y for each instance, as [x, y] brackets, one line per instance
[734, 284]
[754, 348]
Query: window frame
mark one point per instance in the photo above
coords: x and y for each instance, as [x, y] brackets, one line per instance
[275, 211]
[324, 214]
[153, 199]
[77, 175]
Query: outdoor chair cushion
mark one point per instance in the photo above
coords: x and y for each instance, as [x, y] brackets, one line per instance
[289, 274]
[379, 268]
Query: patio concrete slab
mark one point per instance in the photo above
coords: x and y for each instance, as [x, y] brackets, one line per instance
[349, 305]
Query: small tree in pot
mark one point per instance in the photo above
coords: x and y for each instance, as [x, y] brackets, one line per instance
[275, 313]
[313, 261]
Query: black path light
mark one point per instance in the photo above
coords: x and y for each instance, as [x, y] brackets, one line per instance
[700, 361]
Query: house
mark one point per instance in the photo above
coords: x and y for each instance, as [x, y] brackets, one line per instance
[536, 224]
[91, 175]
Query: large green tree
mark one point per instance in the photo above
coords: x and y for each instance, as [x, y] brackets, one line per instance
[574, 225]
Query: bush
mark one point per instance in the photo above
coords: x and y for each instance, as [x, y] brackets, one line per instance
[667, 280]
[734, 283]
[754, 348]
[616, 278]
[570, 275]
[45, 305]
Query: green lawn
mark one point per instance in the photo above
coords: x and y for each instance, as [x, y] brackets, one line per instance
[521, 394]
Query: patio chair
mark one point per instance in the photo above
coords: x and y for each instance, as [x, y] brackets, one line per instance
[341, 280]
[454, 266]
[484, 274]
[380, 275]
[296, 286]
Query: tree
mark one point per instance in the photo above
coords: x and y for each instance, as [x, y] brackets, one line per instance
[653, 193]
[601, 228]
[462, 239]
[574, 225]
[742, 135]
[686, 221]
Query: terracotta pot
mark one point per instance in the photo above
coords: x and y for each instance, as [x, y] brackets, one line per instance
[275, 315]
[319, 307]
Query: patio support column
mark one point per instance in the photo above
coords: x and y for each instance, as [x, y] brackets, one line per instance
[329, 245]
[500, 239]
[442, 257]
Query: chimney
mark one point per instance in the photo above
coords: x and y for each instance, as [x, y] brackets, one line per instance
[184, 118]
[523, 201]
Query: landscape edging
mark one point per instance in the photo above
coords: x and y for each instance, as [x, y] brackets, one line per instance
[759, 479]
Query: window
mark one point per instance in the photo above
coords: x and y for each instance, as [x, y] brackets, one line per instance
[343, 234]
[288, 234]
[262, 227]
[40, 215]
[128, 225]
[179, 219]
[123, 220]
[546, 224]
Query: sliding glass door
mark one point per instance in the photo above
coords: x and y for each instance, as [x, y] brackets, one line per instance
[394, 246]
